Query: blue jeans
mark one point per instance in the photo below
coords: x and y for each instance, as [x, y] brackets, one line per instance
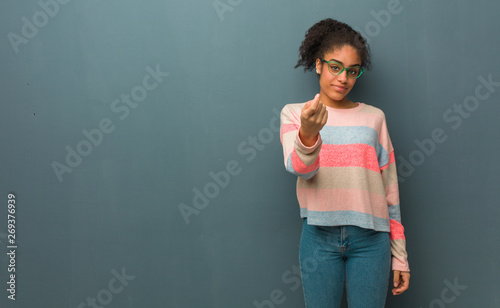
[331, 257]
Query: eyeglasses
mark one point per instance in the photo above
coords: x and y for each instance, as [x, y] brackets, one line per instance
[336, 68]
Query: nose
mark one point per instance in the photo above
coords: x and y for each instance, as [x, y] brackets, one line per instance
[342, 77]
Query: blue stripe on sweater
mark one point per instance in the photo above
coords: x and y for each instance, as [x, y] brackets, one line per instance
[349, 135]
[395, 212]
[341, 218]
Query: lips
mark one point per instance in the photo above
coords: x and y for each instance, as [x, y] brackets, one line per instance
[339, 88]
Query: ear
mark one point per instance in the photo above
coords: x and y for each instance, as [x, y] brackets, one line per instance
[319, 65]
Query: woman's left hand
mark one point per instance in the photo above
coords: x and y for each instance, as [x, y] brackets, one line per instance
[401, 282]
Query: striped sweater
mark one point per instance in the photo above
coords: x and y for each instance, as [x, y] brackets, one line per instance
[349, 176]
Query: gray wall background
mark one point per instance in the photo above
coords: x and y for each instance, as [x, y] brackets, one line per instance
[230, 64]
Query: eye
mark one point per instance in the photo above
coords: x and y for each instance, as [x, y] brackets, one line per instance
[335, 67]
[354, 71]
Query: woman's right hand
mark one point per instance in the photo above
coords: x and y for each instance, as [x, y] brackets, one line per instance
[313, 117]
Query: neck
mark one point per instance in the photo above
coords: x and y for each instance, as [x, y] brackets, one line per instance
[341, 104]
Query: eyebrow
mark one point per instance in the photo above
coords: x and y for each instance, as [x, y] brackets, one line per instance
[343, 63]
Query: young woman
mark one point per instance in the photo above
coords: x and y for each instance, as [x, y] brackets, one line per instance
[347, 184]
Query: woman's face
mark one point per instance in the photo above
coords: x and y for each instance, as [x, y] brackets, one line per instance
[336, 87]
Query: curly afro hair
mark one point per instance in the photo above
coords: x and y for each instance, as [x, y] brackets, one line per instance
[326, 36]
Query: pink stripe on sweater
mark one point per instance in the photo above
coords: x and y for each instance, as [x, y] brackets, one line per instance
[400, 265]
[397, 231]
[300, 167]
[285, 128]
[392, 193]
[288, 128]
[349, 155]
[343, 199]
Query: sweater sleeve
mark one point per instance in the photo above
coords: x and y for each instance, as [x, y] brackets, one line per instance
[390, 179]
[299, 159]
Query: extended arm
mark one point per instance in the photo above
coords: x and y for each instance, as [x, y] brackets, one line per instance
[300, 137]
